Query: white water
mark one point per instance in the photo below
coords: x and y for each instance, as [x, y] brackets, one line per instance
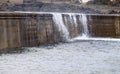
[95, 39]
[83, 1]
[73, 19]
[83, 20]
[80, 1]
[58, 19]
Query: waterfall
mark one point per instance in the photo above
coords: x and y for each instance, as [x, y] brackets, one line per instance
[85, 31]
[80, 1]
[73, 19]
[58, 19]
[63, 26]
[84, 23]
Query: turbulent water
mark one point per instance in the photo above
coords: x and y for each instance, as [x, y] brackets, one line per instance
[74, 26]
[61, 22]
[83, 19]
[58, 19]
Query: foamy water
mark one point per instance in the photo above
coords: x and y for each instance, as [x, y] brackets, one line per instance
[58, 19]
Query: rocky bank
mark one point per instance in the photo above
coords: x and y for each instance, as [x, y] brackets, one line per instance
[61, 7]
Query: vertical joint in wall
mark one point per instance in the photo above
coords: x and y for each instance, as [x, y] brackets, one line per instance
[117, 24]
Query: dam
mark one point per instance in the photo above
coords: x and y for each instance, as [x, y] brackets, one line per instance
[29, 29]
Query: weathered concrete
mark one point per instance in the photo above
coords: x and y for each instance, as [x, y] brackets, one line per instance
[33, 29]
[104, 26]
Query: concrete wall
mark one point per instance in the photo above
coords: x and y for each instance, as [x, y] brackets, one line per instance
[9, 33]
[27, 29]
[104, 26]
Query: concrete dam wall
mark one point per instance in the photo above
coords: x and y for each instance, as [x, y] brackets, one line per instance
[26, 29]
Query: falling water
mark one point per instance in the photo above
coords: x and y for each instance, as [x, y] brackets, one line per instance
[80, 1]
[63, 23]
[84, 1]
[73, 19]
[58, 19]
[83, 20]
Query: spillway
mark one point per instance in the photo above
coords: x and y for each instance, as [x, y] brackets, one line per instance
[22, 29]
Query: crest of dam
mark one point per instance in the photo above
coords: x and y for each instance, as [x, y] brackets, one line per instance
[22, 29]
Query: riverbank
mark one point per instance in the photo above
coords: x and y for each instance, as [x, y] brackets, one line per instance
[63, 7]
[81, 8]
[104, 9]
